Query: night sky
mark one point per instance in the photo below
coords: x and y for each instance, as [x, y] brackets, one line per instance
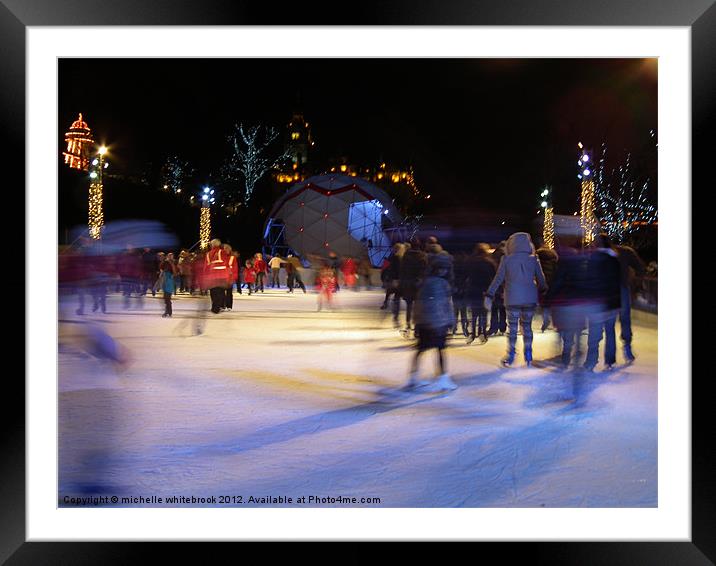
[486, 133]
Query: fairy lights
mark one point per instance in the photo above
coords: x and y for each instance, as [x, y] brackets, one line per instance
[204, 227]
[95, 220]
[623, 201]
[548, 223]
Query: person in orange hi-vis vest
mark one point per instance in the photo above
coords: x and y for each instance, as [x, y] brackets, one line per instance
[216, 275]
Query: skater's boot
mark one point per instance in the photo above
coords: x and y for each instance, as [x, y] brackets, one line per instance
[508, 360]
[471, 339]
[442, 383]
[528, 357]
[628, 354]
[384, 306]
[482, 339]
[414, 381]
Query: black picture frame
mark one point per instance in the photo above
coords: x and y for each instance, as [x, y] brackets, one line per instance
[699, 15]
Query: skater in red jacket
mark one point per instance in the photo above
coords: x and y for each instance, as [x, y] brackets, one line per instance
[249, 276]
[261, 270]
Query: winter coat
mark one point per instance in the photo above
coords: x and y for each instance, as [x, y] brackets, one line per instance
[568, 284]
[433, 306]
[520, 271]
[630, 264]
[393, 270]
[548, 260]
[260, 266]
[412, 271]
[603, 279]
[480, 272]
[249, 275]
[436, 251]
[168, 271]
[292, 265]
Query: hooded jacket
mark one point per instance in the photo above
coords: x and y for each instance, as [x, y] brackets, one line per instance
[520, 271]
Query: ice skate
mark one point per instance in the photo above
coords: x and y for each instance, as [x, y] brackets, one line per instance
[442, 383]
[508, 360]
[482, 339]
[470, 340]
[414, 381]
[628, 354]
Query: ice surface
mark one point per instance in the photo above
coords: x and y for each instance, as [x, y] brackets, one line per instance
[276, 399]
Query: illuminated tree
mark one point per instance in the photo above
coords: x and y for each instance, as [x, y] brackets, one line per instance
[624, 202]
[175, 174]
[250, 157]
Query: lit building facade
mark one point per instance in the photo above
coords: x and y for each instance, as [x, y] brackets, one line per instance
[79, 145]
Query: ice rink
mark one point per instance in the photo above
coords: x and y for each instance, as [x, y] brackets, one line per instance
[276, 399]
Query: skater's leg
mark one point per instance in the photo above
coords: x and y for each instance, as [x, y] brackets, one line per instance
[610, 341]
[526, 316]
[513, 317]
[595, 324]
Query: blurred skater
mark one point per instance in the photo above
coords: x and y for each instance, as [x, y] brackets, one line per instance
[548, 260]
[434, 317]
[215, 277]
[275, 265]
[326, 284]
[604, 299]
[480, 272]
[498, 314]
[630, 265]
[249, 276]
[522, 275]
[293, 274]
[231, 269]
[412, 271]
[168, 271]
[260, 270]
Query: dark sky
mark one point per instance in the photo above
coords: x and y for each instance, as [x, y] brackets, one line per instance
[486, 132]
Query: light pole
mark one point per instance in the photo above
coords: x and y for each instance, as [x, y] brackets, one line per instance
[96, 213]
[548, 225]
[205, 219]
[588, 221]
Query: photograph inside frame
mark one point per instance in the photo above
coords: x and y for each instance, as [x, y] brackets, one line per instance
[357, 283]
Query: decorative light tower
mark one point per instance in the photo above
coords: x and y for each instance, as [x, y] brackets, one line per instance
[205, 219]
[548, 225]
[79, 143]
[588, 221]
[96, 213]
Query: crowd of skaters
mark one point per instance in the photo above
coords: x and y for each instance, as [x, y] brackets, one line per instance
[491, 291]
[576, 288]
[135, 273]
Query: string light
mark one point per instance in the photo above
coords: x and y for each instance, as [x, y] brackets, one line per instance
[548, 228]
[623, 203]
[204, 227]
[95, 220]
[588, 221]
[96, 215]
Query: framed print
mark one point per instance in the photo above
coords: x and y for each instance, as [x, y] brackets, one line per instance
[382, 276]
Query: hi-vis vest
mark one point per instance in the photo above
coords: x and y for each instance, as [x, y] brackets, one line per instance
[217, 262]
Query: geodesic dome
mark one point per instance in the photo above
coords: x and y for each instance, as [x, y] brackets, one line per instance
[339, 213]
